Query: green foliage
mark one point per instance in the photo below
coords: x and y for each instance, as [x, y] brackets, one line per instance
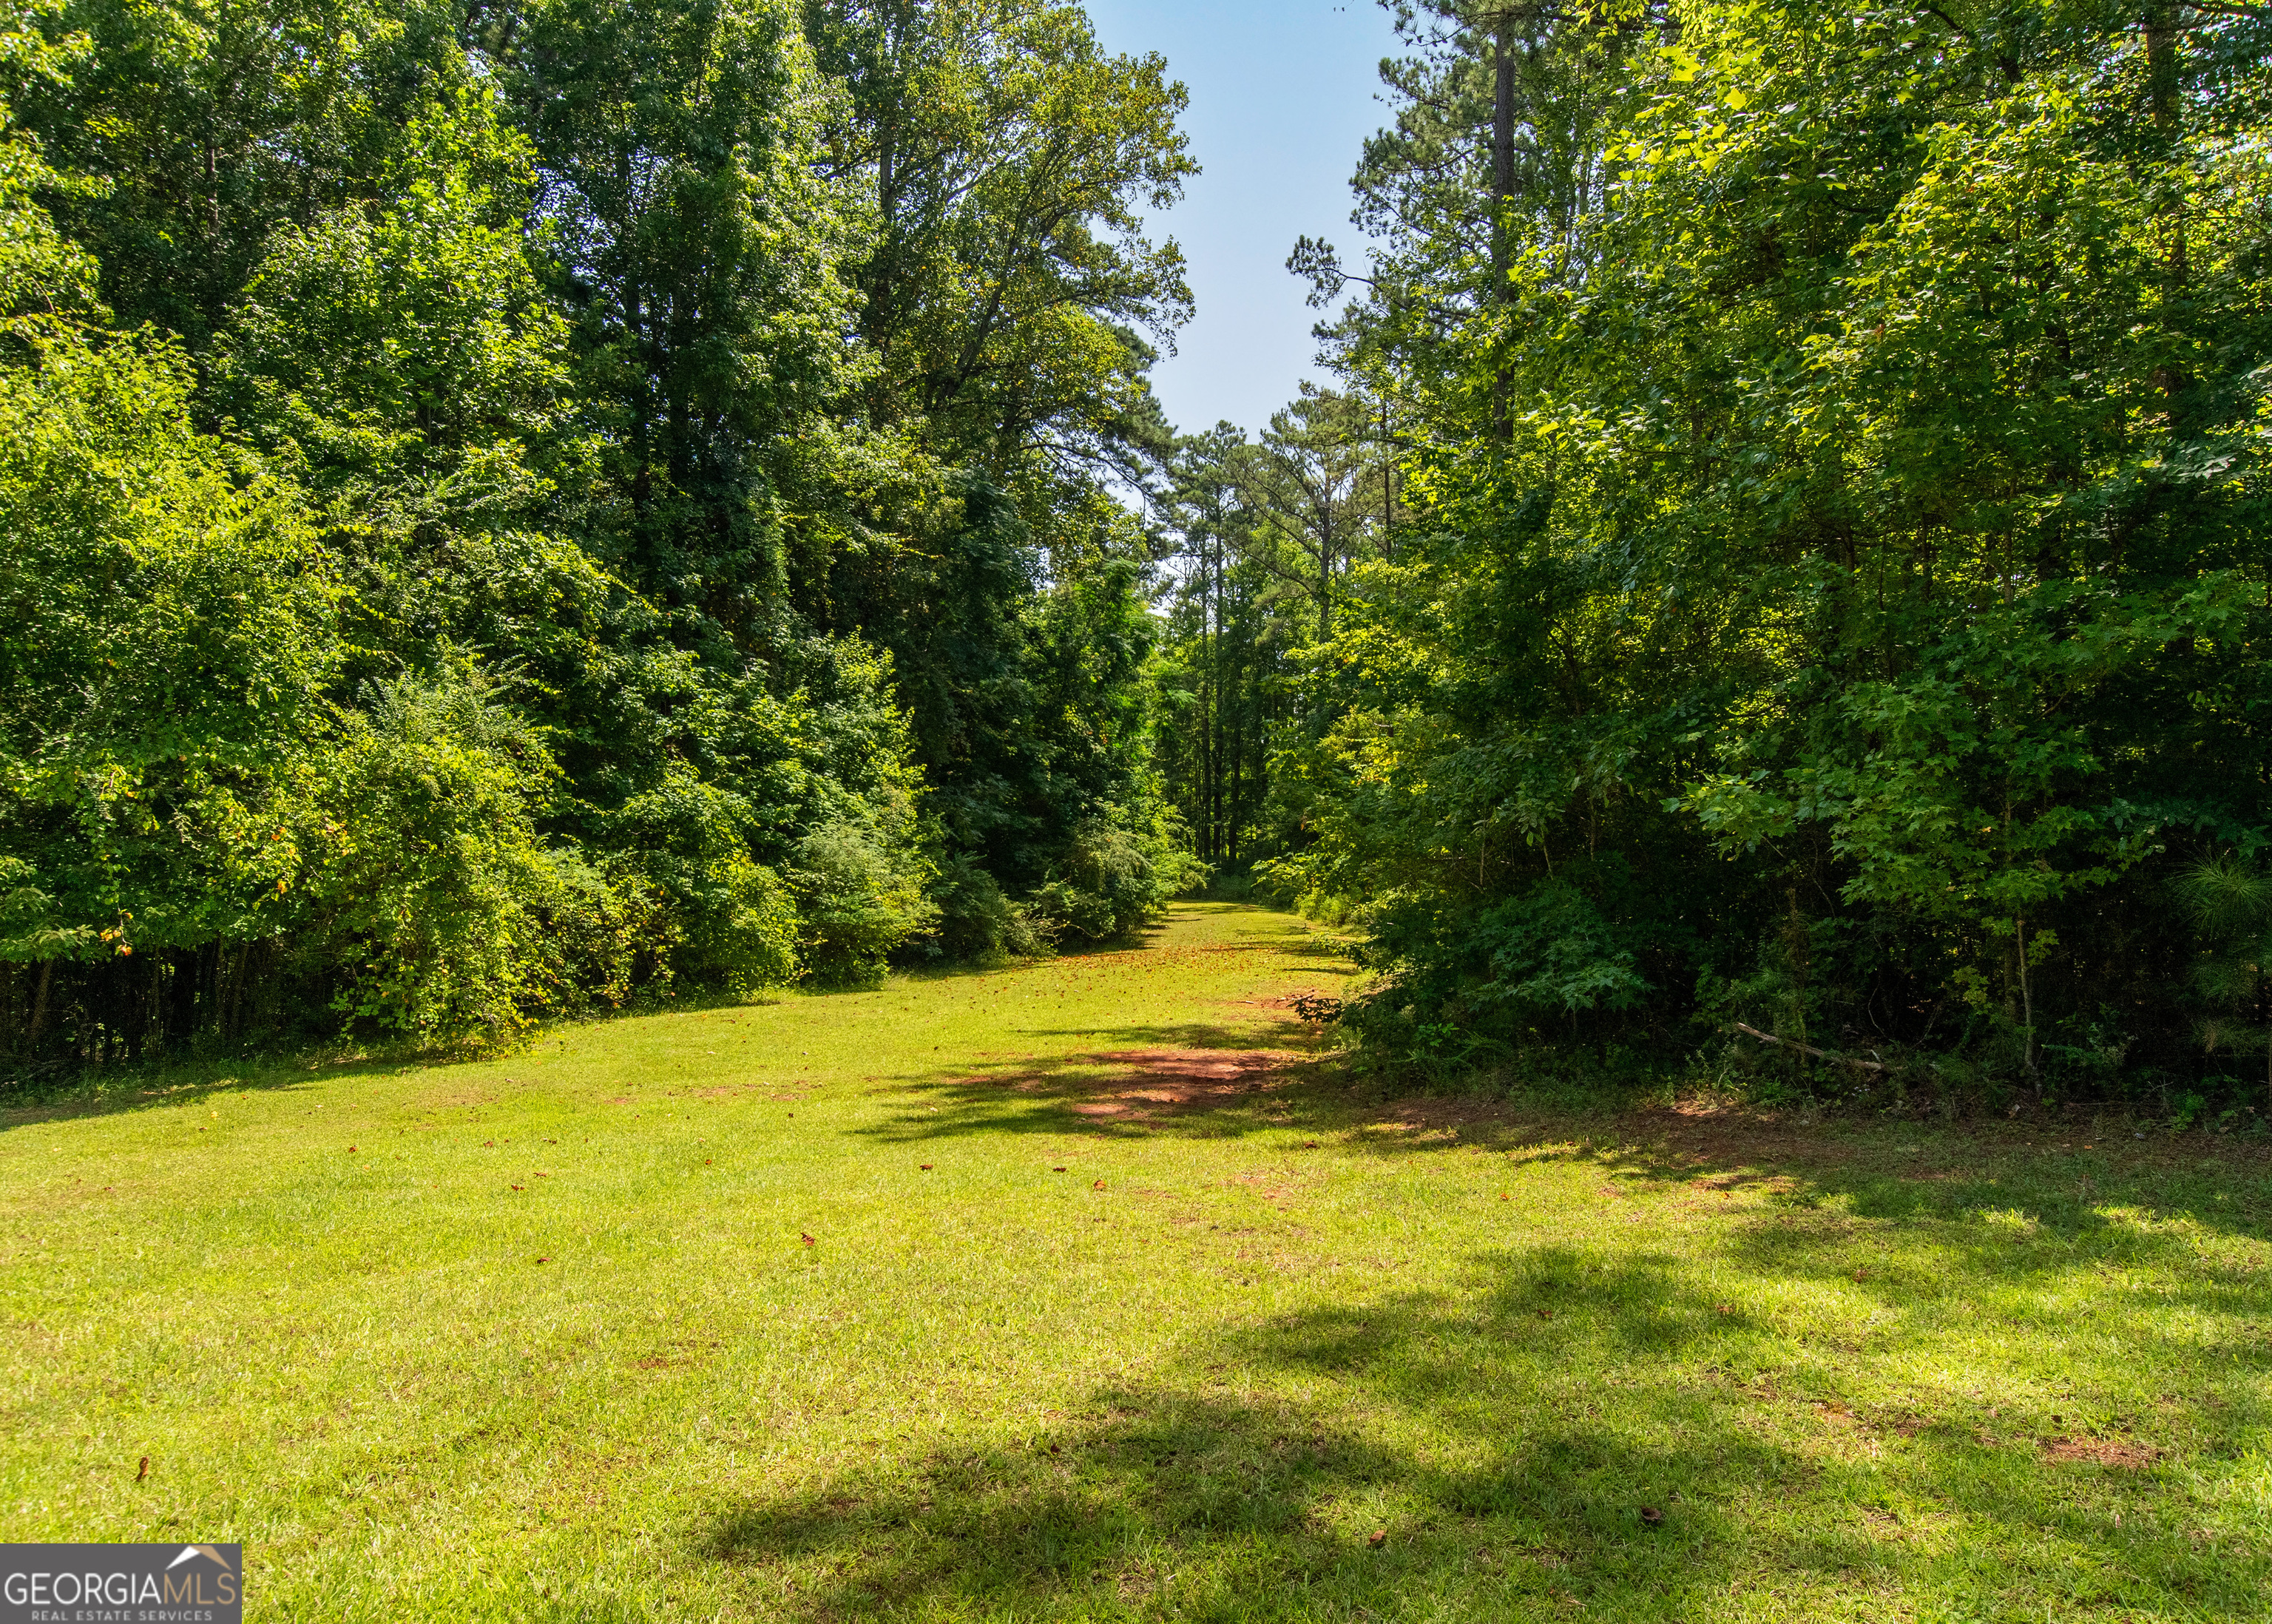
[1836, 450]
[165, 637]
[201, 130]
[1110, 877]
[430, 883]
[530, 510]
[862, 902]
[1006, 161]
[2231, 902]
[402, 353]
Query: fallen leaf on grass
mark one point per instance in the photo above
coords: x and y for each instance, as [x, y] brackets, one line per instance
[1057, 1170]
[1725, 1307]
[145, 1471]
[1380, 1538]
[926, 1167]
[1545, 1314]
[806, 1239]
[1651, 1515]
[516, 1187]
[544, 1259]
[1100, 1184]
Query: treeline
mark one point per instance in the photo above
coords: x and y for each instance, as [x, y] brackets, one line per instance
[515, 508]
[1828, 587]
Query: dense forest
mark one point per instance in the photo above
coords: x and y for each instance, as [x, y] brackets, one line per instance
[512, 510]
[1785, 583]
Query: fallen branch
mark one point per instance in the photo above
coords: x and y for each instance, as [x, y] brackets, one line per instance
[1820, 1054]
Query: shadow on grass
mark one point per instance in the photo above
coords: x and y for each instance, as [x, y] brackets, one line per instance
[144, 1085]
[1503, 1435]
[174, 1083]
[2119, 1195]
[1487, 1451]
[1195, 1078]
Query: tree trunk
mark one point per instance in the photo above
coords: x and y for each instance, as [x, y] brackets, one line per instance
[2161, 90]
[1502, 149]
[2027, 1005]
[1502, 194]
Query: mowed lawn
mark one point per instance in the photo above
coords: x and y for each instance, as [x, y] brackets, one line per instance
[1117, 1304]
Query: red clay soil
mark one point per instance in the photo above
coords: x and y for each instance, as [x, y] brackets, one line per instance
[1153, 1082]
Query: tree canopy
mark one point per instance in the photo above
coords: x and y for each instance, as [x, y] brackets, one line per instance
[518, 507]
[514, 508]
[1826, 584]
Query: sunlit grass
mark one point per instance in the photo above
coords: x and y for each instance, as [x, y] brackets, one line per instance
[1266, 1352]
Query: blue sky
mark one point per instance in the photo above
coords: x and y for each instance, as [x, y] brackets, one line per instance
[1283, 93]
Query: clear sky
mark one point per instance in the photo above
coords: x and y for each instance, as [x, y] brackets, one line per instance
[1283, 93]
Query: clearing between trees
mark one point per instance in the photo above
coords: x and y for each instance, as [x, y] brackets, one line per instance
[1092, 1288]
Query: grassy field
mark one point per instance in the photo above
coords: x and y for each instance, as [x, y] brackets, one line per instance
[1082, 1291]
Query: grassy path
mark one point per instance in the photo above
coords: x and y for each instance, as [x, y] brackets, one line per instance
[1112, 1307]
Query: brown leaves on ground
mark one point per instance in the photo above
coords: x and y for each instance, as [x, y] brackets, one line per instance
[2118, 1453]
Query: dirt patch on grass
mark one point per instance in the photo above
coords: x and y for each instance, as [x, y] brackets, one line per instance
[2118, 1453]
[1150, 1082]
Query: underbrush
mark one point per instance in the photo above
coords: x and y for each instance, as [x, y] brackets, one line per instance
[1399, 1055]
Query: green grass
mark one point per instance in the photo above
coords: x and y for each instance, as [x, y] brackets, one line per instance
[1879, 1372]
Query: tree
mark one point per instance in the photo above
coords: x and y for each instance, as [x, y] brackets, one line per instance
[1006, 159]
[212, 127]
[1814, 533]
[1312, 485]
[700, 254]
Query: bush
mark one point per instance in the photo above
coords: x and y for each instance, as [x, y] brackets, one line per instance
[976, 922]
[429, 886]
[1114, 875]
[860, 901]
